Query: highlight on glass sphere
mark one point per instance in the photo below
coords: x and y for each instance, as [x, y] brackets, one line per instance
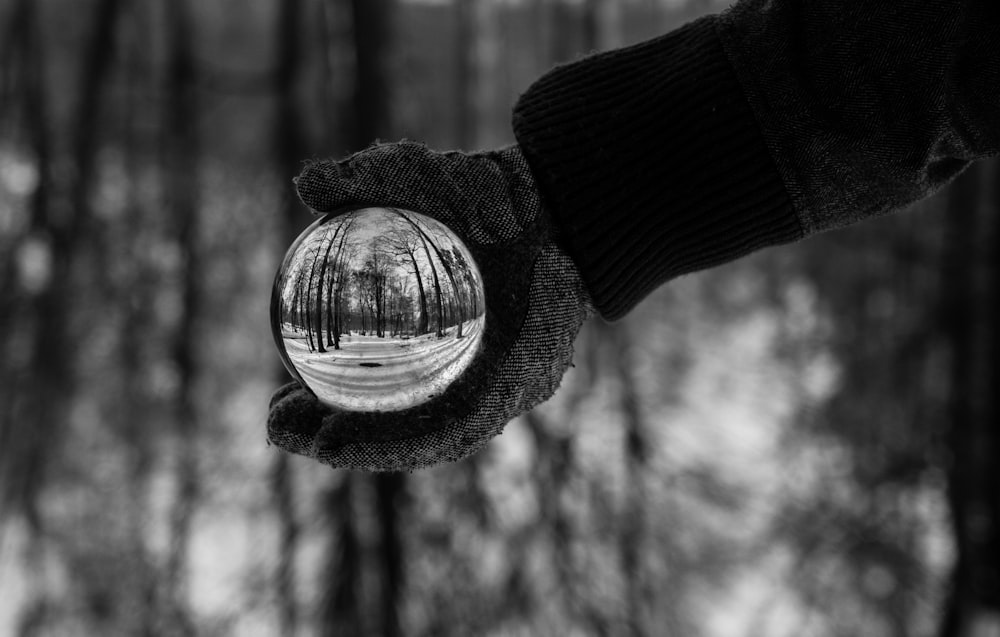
[377, 309]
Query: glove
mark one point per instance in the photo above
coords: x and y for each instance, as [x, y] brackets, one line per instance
[535, 305]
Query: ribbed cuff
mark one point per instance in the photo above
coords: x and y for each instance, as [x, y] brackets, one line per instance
[652, 164]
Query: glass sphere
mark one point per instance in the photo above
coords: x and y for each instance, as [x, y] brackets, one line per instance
[377, 309]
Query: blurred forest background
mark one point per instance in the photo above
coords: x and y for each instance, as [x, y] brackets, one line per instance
[802, 443]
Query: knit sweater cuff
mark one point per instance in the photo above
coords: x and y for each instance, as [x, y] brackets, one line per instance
[652, 164]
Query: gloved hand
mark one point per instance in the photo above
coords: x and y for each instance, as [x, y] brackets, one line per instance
[535, 305]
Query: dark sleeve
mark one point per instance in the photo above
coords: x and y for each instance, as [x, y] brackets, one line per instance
[770, 122]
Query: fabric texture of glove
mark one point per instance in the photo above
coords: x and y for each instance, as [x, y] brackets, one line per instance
[535, 305]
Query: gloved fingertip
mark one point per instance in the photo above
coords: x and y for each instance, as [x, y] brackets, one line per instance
[283, 391]
[297, 412]
[336, 432]
[324, 185]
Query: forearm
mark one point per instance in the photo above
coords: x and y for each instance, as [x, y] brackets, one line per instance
[867, 107]
[757, 127]
[651, 162]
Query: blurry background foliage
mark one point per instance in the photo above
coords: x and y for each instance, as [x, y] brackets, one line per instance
[797, 444]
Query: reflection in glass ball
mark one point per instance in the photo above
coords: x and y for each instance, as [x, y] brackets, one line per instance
[377, 309]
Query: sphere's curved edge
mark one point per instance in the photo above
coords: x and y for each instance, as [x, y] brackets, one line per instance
[378, 309]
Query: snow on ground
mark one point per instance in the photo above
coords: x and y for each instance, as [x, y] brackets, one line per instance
[373, 373]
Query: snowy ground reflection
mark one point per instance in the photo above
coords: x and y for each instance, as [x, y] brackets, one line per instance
[382, 373]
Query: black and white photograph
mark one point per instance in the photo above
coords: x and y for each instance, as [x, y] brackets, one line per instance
[499, 318]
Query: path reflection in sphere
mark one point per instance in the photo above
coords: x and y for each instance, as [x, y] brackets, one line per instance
[378, 309]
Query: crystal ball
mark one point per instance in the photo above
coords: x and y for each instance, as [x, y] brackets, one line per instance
[377, 309]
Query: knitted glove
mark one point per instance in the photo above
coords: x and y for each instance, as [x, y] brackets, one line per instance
[535, 305]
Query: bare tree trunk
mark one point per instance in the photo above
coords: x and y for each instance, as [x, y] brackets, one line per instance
[371, 84]
[631, 537]
[282, 485]
[378, 284]
[320, 286]
[340, 611]
[989, 559]
[331, 308]
[312, 330]
[389, 490]
[341, 280]
[602, 25]
[320, 346]
[465, 77]
[423, 323]
[135, 295]
[28, 422]
[437, 291]
[305, 306]
[181, 152]
[29, 417]
[562, 43]
[426, 241]
[289, 150]
[555, 472]
[968, 305]
[955, 314]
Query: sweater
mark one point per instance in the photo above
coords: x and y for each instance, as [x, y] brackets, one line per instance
[770, 122]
